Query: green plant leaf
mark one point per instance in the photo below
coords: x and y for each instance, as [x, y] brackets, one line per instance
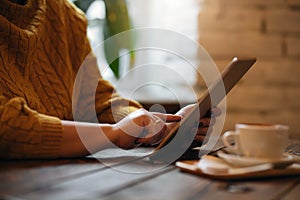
[117, 21]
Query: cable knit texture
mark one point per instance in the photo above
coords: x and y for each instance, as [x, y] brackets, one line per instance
[43, 44]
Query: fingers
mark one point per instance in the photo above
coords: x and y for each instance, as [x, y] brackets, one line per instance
[156, 129]
[204, 131]
[150, 127]
[168, 117]
[205, 122]
[199, 138]
[186, 110]
[214, 112]
[201, 133]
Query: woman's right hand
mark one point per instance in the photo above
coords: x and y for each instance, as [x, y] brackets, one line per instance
[142, 126]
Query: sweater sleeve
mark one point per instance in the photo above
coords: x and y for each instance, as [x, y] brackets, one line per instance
[94, 99]
[25, 133]
[110, 106]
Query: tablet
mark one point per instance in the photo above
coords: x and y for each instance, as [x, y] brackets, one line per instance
[236, 69]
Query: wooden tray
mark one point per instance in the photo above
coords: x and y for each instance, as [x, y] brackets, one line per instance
[190, 166]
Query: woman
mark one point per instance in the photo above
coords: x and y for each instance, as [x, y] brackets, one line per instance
[43, 43]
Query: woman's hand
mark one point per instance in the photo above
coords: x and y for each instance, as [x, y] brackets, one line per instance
[138, 127]
[204, 123]
[142, 126]
[149, 128]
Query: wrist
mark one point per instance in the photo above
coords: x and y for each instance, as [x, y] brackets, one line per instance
[123, 139]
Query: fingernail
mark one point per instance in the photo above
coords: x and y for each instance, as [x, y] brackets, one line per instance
[200, 124]
[211, 114]
[179, 117]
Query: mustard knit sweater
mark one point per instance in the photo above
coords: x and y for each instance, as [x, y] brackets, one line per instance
[42, 46]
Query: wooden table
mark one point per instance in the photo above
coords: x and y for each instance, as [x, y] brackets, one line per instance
[87, 178]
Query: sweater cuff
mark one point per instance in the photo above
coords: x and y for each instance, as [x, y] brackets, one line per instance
[50, 129]
[122, 112]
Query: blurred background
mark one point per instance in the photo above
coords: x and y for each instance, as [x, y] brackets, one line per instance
[269, 30]
[266, 29]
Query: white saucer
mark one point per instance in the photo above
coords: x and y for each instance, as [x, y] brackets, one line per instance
[238, 160]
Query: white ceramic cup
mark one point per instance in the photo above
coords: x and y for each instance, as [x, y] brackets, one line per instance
[257, 140]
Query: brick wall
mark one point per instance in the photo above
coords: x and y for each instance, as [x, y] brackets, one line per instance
[270, 31]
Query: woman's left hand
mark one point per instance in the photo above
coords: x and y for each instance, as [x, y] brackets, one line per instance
[205, 123]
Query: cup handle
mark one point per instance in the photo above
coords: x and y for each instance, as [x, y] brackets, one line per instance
[231, 147]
